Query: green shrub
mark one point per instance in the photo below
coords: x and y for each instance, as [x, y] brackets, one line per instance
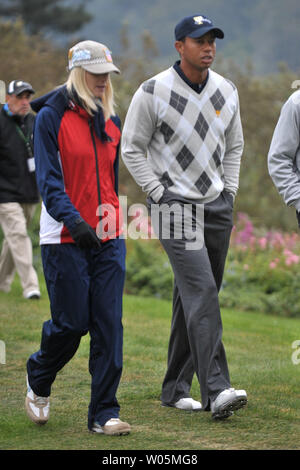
[148, 271]
[261, 274]
[262, 270]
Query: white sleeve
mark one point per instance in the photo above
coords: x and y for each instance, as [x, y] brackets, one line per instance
[139, 126]
[233, 152]
[284, 150]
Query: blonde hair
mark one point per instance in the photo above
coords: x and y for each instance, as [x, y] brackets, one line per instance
[77, 81]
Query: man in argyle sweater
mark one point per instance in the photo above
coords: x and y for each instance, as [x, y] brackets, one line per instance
[182, 142]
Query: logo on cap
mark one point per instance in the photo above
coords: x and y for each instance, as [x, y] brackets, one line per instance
[201, 20]
[108, 55]
[81, 55]
[198, 19]
[77, 56]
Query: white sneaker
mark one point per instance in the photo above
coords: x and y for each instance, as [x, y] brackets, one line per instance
[33, 294]
[228, 401]
[188, 404]
[37, 408]
[112, 427]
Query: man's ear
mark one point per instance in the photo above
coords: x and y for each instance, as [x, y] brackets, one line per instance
[178, 46]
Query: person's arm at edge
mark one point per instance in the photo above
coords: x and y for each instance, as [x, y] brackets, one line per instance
[283, 150]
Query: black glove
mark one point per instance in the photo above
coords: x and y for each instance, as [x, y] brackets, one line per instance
[298, 217]
[84, 236]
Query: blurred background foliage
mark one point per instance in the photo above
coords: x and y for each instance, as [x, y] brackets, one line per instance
[30, 54]
[35, 58]
[47, 16]
[266, 31]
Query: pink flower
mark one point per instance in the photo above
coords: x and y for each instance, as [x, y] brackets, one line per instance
[273, 265]
[290, 257]
[262, 242]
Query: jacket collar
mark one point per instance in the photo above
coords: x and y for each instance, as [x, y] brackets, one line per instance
[59, 100]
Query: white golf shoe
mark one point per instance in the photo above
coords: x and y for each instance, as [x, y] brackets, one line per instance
[228, 401]
[37, 408]
[113, 427]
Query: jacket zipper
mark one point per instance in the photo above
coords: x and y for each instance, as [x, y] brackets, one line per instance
[97, 169]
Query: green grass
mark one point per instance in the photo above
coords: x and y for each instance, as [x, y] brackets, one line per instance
[259, 350]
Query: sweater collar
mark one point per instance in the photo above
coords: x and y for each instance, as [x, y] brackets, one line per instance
[197, 87]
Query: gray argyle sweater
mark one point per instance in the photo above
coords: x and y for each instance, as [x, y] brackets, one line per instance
[187, 142]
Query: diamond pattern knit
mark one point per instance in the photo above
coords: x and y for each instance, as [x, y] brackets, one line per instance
[193, 141]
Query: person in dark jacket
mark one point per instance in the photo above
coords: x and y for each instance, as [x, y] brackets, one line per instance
[76, 144]
[18, 189]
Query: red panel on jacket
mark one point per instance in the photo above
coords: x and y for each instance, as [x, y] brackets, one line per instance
[79, 170]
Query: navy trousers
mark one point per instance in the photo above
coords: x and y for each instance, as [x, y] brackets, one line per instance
[85, 289]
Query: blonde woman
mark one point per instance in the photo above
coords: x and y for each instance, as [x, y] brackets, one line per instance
[76, 144]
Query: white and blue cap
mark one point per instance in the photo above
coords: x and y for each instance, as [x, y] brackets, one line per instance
[91, 56]
[196, 26]
[16, 87]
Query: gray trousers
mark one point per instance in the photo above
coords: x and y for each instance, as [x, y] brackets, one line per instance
[195, 344]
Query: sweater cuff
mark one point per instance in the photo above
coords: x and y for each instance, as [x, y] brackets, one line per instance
[156, 194]
[297, 205]
[230, 191]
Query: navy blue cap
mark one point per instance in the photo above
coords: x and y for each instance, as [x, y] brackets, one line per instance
[196, 26]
